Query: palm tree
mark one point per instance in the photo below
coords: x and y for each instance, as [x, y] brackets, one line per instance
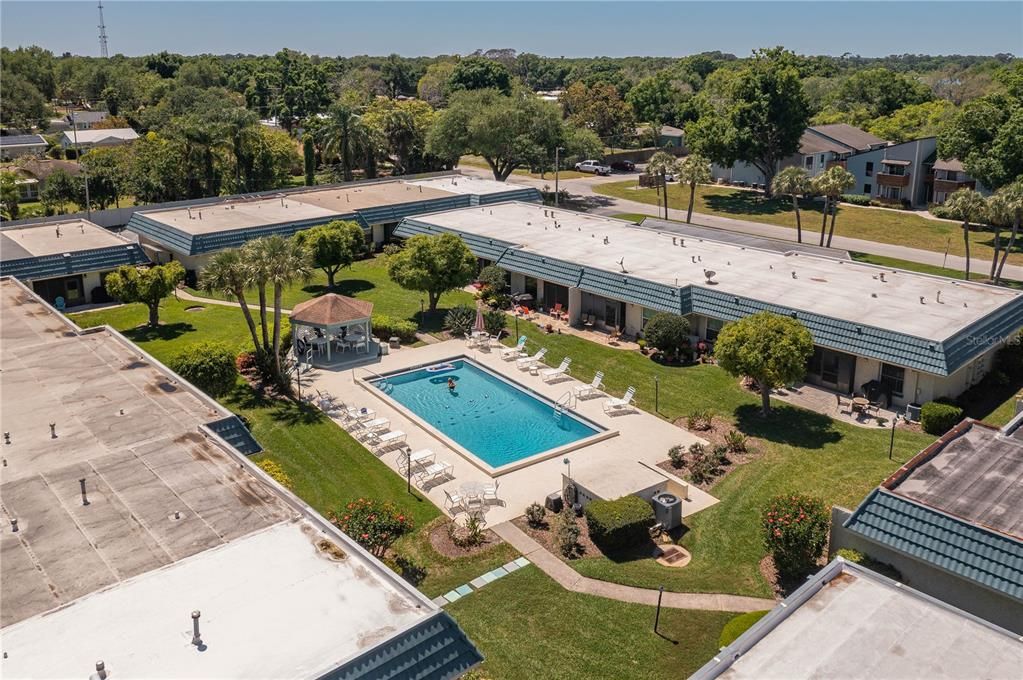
[832, 183]
[228, 273]
[693, 170]
[793, 181]
[968, 206]
[1007, 207]
[662, 163]
[204, 140]
[284, 261]
[344, 135]
[254, 259]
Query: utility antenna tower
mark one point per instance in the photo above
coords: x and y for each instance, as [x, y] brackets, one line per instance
[102, 33]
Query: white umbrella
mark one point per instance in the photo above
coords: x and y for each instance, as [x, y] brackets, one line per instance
[478, 326]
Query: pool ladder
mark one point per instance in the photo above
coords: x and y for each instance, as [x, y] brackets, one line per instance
[564, 402]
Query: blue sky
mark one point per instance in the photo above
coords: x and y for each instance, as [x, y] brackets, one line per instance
[550, 28]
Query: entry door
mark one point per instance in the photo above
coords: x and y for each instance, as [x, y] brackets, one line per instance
[611, 313]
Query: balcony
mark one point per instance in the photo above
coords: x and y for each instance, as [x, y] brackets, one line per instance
[949, 186]
[885, 179]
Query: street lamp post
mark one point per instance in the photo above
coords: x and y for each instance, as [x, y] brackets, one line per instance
[422, 313]
[568, 464]
[891, 443]
[657, 616]
[557, 167]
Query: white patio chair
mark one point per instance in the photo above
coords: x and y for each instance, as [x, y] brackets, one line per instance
[549, 374]
[526, 363]
[591, 389]
[453, 500]
[516, 352]
[490, 491]
[615, 405]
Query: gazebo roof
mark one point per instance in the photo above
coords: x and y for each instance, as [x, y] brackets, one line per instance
[330, 310]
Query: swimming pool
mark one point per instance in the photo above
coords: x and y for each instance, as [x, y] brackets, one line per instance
[488, 416]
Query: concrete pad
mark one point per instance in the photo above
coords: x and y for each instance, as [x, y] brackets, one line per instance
[463, 590]
[452, 596]
[478, 582]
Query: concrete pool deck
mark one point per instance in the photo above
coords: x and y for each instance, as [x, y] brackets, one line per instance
[643, 439]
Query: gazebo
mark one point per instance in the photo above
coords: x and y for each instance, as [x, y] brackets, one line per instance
[331, 325]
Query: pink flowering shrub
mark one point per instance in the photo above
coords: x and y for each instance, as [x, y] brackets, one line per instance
[795, 532]
[374, 524]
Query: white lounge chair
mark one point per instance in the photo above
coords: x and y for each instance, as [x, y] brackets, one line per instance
[526, 363]
[516, 352]
[382, 441]
[434, 471]
[416, 458]
[375, 425]
[549, 374]
[592, 388]
[615, 405]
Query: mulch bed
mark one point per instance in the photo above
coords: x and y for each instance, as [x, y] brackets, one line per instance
[442, 543]
[715, 436]
[545, 537]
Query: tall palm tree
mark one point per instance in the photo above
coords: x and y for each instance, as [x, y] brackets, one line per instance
[205, 141]
[832, 183]
[662, 163]
[227, 273]
[693, 170]
[1008, 203]
[240, 132]
[968, 206]
[284, 261]
[344, 135]
[793, 181]
[255, 265]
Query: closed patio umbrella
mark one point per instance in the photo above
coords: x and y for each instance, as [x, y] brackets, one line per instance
[478, 326]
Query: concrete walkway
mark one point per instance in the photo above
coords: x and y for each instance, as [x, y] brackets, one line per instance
[570, 579]
[610, 205]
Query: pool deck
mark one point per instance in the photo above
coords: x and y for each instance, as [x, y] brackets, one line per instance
[642, 442]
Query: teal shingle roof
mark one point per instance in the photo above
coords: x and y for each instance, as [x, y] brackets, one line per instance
[79, 262]
[931, 356]
[969, 551]
[435, 649]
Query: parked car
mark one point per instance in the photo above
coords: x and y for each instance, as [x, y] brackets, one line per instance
[596, 167]
[623, 166]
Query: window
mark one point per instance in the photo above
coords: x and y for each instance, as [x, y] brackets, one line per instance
[647, 315]
[714, 327]
[821, 160]
[869, 170]
[893, 377]
[867, 189]
[808, 161]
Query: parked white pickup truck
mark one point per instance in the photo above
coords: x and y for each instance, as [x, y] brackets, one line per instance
[596, 167]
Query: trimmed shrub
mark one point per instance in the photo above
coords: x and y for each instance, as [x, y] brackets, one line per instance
[210, 366]
[246, 361]
[494, 321]
[855, 199]
[739, 625]
[374, 524]
[699, 420]
[493, 279]
[677, 456]
[535, 514]
[795, 532]
[621, 523]
[566, 532]
[385, 327]
[276, 472]
[736, 441]
[703, 465]
[669, 333]
[937, 418]
[459, 320]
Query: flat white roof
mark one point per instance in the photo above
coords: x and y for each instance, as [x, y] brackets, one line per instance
[317, 203]
[860, 626]
[272, 605]
[93, 136]
[55, 238]
[857, 292]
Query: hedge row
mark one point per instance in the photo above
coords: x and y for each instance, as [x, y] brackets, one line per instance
[619, 524]
[384, 327]
[937, 418]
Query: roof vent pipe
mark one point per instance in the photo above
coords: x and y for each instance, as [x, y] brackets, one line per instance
[882, 277]
[101, 672]
[14, 525]
[937, 298]
[794, 274]
[921, 299]
[196, 638]
[7, 437]
[53, 430]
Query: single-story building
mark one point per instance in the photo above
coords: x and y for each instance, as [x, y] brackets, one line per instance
[83, 140]
[85, 120]
[849, 622]
[16, 146]
[32, 174]
[141, 542]
[191, 234]
[951, 521]
[67, 260]
[919, 336]
[820, 147]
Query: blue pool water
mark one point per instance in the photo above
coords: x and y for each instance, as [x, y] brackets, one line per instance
[493, 419]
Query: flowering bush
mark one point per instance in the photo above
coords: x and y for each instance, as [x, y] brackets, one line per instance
[795, 532]
[374, 524]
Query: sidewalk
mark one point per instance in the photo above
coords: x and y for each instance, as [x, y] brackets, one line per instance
[570, 579]
[584, 187]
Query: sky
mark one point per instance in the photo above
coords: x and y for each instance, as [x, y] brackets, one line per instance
[571, 29]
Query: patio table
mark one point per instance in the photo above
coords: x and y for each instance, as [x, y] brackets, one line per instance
[471, 490]
[319, 343]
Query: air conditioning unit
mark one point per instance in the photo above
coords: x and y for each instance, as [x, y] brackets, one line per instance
[667, 510]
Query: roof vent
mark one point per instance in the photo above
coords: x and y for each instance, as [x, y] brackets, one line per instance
[794, 274]
[693, 258]
[937, 298]
[881, 276]
[674, 241]
[606, 240]
[196, 638]
[873, 295]
[101, 672]
[921, 299]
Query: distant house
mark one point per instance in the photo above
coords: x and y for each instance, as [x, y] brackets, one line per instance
[32, 174]
[89, 139]
[897, 173]
[950, 177]
[671, 136]
[820, 147]
[85, 120]
[16, 146]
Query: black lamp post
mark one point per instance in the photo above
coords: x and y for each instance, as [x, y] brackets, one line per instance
[891, 443]
[657, 394]
[408, 469]
[657, 616]
[422, 313]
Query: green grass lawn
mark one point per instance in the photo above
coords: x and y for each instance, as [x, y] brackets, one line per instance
[527, 626]
[803, 451]
[367, 279]
[901, 228]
